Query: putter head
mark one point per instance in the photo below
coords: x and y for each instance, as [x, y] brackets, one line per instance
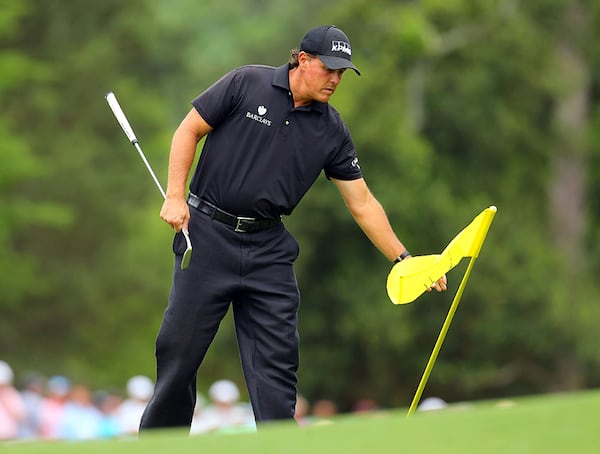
[187, 255]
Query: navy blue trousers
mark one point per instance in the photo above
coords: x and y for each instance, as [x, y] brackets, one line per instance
[252, 272]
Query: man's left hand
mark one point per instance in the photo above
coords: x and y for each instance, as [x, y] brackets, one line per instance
[441, 285]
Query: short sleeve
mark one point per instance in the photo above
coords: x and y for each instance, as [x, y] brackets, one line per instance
[219, 100]
[344, 164]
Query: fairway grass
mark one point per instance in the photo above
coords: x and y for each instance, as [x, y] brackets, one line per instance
[557, 423]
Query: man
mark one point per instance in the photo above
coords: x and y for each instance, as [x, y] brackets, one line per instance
[270, 133]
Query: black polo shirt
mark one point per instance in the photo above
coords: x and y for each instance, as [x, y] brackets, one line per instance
[263, 154]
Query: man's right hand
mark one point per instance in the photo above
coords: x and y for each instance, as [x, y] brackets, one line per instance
[176, 212]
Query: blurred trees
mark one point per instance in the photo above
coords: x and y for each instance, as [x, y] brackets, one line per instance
[461, 105]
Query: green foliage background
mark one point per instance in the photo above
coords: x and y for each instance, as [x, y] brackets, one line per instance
[462, 104]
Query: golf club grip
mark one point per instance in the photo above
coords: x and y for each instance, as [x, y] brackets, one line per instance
[120, 116]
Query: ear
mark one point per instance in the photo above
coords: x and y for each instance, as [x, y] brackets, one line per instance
[303, 58]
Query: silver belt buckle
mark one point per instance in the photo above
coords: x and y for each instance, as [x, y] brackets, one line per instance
[238, 225]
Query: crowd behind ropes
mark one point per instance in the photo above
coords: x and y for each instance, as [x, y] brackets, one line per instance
[34, 407]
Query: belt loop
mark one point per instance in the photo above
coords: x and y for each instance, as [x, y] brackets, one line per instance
[212, 209]
[193, 200]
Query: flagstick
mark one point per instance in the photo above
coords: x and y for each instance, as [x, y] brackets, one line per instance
[440, 340]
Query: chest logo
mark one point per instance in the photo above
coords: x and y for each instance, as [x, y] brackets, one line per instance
[260, 118]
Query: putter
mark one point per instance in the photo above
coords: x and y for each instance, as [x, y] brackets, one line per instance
[128, 130]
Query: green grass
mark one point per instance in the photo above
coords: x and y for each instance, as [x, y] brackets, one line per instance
[559, 423]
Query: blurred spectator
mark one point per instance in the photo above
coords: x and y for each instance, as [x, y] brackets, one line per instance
[365, 406]
[32, 393]
[12, 408]
[432, 403]
[199, 410]
[129, 413]
[80, 419]
[301, 411]
[108, 404]
[324, 408]
[322, 412]
[226, 413]
[57, 388]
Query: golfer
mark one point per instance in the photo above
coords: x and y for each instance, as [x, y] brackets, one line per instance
[270, 133]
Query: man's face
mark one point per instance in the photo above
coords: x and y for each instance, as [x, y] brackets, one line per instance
[321, 82]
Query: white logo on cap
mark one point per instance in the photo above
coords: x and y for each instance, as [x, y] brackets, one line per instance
[341, 46]
[262, 110]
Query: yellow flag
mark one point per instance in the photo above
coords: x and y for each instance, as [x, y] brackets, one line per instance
[408, 279]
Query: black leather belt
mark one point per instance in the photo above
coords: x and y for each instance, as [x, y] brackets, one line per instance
[239, 223]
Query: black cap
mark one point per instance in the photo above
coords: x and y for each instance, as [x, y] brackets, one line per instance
[331, 45]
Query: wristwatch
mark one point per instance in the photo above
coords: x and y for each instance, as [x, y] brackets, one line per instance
[402, 257]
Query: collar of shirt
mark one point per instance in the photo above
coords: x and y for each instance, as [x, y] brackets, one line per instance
[281, 79]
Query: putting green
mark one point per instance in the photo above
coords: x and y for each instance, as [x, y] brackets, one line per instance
[557, 423]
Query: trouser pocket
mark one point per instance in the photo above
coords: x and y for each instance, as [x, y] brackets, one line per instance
[179, 244]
